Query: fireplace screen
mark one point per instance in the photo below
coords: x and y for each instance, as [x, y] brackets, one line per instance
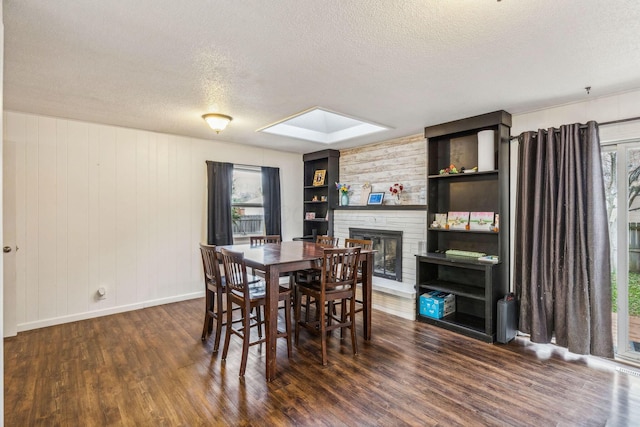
[388, 247]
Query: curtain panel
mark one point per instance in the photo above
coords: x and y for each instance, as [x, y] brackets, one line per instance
[271, 200]
[219, 187]
[561, 262]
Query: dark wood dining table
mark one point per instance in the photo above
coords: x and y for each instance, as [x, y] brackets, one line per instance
[286, 257]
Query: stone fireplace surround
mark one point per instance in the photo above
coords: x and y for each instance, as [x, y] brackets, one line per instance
[392, 297]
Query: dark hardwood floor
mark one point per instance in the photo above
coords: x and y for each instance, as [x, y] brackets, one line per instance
[149, 367]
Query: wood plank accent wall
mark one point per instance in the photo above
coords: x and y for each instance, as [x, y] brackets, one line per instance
[401, 160]
[103, 206]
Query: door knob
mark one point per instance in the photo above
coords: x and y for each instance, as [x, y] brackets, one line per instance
[6, 249]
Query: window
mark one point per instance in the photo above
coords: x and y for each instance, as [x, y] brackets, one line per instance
[247, 212]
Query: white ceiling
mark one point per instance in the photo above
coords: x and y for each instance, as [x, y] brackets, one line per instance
[159, 65]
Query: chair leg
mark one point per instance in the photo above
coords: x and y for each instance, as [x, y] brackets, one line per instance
[219, 315]
[296, 317]
[246, 334]
[207, 325]
[287, 319]
[323, 331]
[352, 315]
[259, 320]
[227, 335]
[343, 316]
[331, 309]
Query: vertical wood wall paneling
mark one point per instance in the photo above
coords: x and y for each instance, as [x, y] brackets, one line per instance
[142, 211]
[182, 202]
[126, 243]
[155, 259]
[162, 212]
[172, 218]
[46, 229]
[31, 224]
[15, 128]
[62, 215]
[103, 206]
[78, 244]
[107, 219]
[95, 280]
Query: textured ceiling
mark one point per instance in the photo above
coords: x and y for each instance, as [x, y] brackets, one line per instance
[159, 65]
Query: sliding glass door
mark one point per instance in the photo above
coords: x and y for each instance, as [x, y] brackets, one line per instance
[621, 167]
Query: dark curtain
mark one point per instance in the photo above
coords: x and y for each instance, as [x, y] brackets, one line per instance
[219, 186]
[562, 268]
[271, 200]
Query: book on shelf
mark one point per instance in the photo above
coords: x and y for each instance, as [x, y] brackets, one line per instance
[481, 221]
[441, 220]
[458, 220]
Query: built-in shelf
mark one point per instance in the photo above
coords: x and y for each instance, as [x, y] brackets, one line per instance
[384, 208]
[446, 230]
[458, 289]
[477, 285]
[319, 167]
[462, 175]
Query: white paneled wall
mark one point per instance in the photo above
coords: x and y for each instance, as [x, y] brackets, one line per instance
[103, 206]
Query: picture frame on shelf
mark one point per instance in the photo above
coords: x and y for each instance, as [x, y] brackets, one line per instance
[319, 177]
[458, 220]
[481, 221]
[375, 199]
[310, 215]
[441, 220]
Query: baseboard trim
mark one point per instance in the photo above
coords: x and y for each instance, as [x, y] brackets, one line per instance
[22, 327]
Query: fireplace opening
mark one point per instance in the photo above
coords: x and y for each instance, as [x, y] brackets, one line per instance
[388, 246]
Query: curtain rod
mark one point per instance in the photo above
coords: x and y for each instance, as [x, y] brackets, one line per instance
[612, 122]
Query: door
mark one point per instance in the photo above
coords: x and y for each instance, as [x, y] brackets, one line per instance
[9, 233]
[621, 167]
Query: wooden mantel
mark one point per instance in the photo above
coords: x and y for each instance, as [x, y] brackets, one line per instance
[384, 207]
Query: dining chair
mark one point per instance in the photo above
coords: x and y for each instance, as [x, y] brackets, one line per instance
[310, 274]
[261, 240]
[214, 286]
[327, 241]
[338, 276]
[365, 245]
[248, 296]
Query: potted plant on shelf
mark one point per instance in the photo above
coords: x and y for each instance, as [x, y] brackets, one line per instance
[396, 191]
[343, 189]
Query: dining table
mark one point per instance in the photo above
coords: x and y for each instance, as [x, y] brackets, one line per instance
[288, 257]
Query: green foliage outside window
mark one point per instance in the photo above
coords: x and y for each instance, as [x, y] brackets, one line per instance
[634, 293]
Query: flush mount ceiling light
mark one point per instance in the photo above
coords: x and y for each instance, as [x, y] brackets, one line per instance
[321, 125]
[217, 122]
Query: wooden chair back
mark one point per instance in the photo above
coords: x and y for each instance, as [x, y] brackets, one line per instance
[211, 267]
[339, 267]
[262, 240]
[327, 241]
[364, 244]
[235, 271]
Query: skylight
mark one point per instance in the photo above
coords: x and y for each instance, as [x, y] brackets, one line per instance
[320, 125]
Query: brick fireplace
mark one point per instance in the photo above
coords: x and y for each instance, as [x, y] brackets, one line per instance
[388, 247]
[394, 296]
